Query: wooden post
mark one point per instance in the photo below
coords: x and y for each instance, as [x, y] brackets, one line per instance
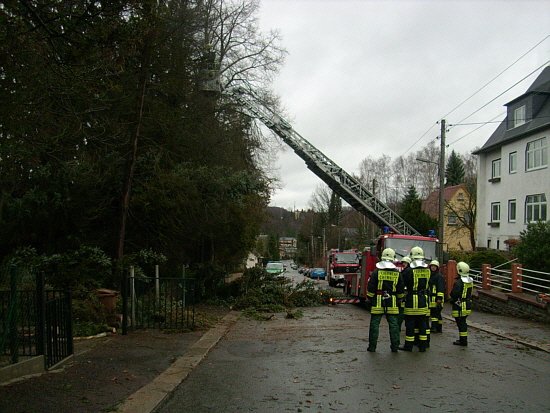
[486, 271]
[516, 278]
[450, 275]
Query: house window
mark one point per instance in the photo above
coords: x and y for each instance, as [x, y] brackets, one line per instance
[536, 154]
[512, 210]
[519, 116]
[535, 208]
[468, 218]
[513, 162]
[452, 218]
[495, 212]
[460, 196]
[496, 169]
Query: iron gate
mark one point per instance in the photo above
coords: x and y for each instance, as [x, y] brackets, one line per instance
[34, 322]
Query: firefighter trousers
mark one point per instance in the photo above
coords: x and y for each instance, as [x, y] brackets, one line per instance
[374, 329]
[415, 324]
[436, 319]
[462, 328]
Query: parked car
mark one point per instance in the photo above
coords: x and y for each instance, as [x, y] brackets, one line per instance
[275, 268]
[318, 273]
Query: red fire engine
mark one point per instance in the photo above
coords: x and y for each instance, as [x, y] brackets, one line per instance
[355, 285]
[340, 263]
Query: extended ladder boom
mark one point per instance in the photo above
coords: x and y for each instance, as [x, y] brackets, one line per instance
[345, 185]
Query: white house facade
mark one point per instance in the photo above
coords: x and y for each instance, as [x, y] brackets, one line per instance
[513, 186]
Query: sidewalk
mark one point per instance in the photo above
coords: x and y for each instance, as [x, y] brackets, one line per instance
[147, 398]
[533, 334]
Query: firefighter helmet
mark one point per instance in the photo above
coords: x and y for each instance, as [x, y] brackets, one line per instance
[463, 269]
[388, 254]
[417, 253]
[435, 262]
[406, 259]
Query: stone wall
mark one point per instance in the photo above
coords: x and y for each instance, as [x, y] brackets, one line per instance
[513, 304]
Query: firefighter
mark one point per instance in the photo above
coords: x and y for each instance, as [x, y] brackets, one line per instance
[436, 293]
[385, 291]
[461, 299]
[416, 279]
[405, 263]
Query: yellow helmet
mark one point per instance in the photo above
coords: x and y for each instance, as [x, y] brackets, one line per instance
[435, 262]
[388, 254]
[406, 259]
[417, 253]
[463, 268]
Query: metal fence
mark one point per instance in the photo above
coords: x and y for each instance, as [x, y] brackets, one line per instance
[33, 322]
[524, 280]
[163, 303]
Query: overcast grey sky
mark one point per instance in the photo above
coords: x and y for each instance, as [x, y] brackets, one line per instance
[373, 77]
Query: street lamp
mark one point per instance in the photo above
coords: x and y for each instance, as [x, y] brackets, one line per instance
[441, 203]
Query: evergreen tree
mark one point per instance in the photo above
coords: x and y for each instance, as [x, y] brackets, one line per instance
[411, 211]
[534, 249]
[454, 173]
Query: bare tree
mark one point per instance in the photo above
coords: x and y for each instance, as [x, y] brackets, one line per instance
[246, 55]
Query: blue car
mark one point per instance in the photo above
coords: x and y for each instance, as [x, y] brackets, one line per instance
[318, 273]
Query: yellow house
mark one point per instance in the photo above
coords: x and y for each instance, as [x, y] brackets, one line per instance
[459, 226]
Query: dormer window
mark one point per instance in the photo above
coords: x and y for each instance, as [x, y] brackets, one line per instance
[519, 116]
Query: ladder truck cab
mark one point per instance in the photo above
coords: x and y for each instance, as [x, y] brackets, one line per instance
[340, 263]
[356, 285]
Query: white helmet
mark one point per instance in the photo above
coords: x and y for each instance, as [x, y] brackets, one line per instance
[417, 253]
[388, 254]
[435, 262]
[406, 259]
[463, 268]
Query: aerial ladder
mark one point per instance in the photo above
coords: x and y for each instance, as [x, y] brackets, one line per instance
[342, 183]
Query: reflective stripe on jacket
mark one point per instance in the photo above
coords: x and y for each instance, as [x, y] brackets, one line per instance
[416, 284]
[385, 290]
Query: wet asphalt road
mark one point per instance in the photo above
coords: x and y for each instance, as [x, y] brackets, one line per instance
[319, 363]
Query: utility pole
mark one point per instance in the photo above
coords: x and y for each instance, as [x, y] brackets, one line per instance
[441, 192]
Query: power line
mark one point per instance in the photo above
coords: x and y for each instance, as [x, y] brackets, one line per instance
[479, 127]
[511, 87]
[460, 123]
[496, 77]
[418, 140]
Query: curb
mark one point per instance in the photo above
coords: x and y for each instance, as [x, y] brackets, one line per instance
[504, 334]
[155, 394]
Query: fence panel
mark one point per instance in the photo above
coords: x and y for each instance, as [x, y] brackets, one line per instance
[168, 304]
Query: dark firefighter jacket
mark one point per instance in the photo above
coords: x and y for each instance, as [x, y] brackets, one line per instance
[385, 290]
[461, 297]
[436, 289]
[416, 284]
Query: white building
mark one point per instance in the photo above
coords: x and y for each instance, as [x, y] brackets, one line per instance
[513, 183]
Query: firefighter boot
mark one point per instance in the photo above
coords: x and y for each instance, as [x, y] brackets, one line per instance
[407, 347]
[436, 327]
[462, 341]
[423, 345]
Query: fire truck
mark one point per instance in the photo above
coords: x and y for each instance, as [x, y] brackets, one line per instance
[355, 285]
[340, 264]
